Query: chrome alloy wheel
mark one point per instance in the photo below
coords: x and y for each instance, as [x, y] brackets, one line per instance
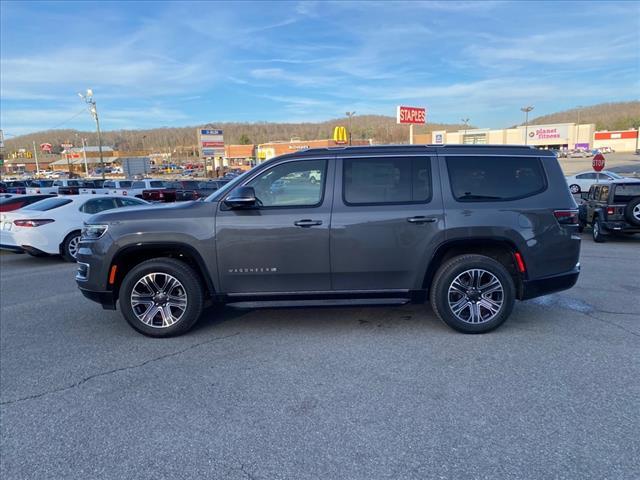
[73, 246]
[158, 300]
[636, 212]
[475, 296]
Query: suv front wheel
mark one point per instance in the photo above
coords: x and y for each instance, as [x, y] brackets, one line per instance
[161, 297]
[472, 293]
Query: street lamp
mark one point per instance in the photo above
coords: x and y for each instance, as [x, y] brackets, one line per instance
[466, 124]
[89, 100]
[350, 115]
[526, 111]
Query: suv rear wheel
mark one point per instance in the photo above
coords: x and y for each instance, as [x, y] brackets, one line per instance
[161, 297]
[598, 236]
[472, 293]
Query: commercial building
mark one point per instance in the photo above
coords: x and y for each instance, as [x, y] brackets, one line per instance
[265, 151]
[619, 140]
[561, 136]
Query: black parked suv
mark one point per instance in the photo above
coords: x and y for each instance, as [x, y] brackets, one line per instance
[612, 207]
[472, 228]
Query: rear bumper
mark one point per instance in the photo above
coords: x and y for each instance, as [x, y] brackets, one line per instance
[11, 248]
[106, 299]
[621, 227]
[547, 285]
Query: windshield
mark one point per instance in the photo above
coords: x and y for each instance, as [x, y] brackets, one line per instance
[48, 204]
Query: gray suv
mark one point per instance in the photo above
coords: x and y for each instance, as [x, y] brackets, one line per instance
[471, 228]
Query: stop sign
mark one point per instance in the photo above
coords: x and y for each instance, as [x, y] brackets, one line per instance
[598, 162]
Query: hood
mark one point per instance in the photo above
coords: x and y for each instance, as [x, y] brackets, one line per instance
[164, 212]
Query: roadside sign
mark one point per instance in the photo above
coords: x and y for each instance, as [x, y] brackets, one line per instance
[340, 135]
[598, 162]
[411, 115]
[66, 145]
[211, 142]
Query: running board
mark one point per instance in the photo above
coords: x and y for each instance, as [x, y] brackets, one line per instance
[336, 302]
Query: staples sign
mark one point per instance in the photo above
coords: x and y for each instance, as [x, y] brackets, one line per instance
[415, 115]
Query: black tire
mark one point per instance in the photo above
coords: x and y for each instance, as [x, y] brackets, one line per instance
[574, 188]
[190, 284]
[632, 211]
[598, 236]
[69, 246]
[449, 271]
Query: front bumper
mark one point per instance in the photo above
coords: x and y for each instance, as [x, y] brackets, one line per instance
[547, 285]
[106, 299]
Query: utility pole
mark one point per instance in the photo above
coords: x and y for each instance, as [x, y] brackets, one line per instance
[35, 154]
[93, 109]
[466, 125]
[84, 155]
[526, 111]
[350, 115]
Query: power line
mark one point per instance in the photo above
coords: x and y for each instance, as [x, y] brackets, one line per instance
[67, 120]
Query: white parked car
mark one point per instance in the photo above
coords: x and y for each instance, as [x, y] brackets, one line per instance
[581, 182]
[52, 226]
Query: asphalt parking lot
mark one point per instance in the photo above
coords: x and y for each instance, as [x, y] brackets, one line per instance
[330, 393]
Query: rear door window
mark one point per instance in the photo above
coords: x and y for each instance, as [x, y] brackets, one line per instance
[156, 184]
[138, 185]
[125, 184]
[98, 205]
[486, 179]
[386, 180]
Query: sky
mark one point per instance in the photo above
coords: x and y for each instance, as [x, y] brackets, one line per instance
[153, 64]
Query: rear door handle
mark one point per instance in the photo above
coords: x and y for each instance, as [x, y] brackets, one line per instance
[307, 223]
[421, 219]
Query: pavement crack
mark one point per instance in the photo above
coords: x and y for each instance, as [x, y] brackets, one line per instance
[116, 370]
[248, 474]
[591, 315]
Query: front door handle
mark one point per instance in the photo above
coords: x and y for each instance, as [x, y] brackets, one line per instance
[307, 223]
[421, 219]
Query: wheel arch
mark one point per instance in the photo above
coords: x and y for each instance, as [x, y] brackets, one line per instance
[500, 249]
[126, 258]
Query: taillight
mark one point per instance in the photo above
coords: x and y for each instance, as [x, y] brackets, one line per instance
[611, 211]
[161, 195]
[32, 223]
[519, 262]
[566, 217]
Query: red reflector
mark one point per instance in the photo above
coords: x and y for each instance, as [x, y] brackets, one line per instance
[519, 262]
[566, 217]
[112, 274]
[611, 211]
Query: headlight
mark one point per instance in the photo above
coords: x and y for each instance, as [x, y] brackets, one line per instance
[93, 232]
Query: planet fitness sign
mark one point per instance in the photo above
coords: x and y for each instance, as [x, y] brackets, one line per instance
[553, 134]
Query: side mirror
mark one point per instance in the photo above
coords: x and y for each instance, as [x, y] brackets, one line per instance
[241, 197]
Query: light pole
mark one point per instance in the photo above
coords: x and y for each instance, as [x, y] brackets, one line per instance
[526, 111]
[579, 107]
[350, 115]
[466, 124]
[88, 98]
[35, 153]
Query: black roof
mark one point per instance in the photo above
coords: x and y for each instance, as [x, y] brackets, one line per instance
[413, 149]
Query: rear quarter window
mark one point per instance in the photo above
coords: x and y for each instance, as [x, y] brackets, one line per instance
[156, 184]
[487, 179]
[625, 192]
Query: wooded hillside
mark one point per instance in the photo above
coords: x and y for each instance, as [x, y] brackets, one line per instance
[606, 116]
